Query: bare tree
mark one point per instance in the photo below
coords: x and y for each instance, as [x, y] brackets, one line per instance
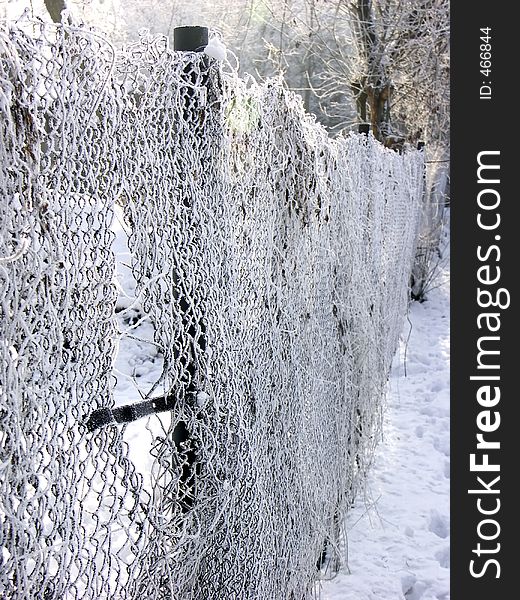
[389, 59]
[371, 84]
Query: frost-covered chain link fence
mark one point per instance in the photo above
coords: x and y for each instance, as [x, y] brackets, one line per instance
[274, 265]
[64, 494]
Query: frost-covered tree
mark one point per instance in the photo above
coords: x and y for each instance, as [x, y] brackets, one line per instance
[391, 57]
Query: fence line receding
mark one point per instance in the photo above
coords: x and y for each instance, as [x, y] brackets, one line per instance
[273, 264]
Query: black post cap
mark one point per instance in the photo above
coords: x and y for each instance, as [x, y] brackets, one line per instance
[190, 39]
[364, 128]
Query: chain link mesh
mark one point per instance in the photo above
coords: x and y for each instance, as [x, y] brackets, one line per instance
[273, 263]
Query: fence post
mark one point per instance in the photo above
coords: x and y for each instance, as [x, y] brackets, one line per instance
[186, 39]
[190, 39]
[364, 128]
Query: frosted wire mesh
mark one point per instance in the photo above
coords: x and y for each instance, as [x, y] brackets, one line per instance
[274, 264]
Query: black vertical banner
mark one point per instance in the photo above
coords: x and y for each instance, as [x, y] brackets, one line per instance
[484, 423]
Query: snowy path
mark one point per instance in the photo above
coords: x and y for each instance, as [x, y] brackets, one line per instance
[399, 533]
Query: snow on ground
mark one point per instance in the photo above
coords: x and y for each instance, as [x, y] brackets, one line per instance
[398, 534]
[138, 364]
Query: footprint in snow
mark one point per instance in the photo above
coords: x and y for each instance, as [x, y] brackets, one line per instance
[439, 524]
[443, 557]
[407, 583]
[427, 410]
[437, 386]
[442, 445]
[416, 590]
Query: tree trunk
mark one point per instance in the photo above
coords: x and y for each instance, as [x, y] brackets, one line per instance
[378, 102]
[55, 8]
[361, 98]
[373, 91]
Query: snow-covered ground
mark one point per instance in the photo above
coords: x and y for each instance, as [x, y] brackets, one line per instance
[398, 534]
